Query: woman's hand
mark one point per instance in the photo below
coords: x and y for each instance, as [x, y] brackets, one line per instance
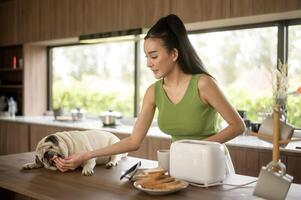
[70, 163]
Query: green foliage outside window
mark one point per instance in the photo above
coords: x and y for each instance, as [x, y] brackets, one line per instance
[93, 102]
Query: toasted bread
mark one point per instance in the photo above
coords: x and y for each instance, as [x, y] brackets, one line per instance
[159, 181]
[151, 183]
[149, 174]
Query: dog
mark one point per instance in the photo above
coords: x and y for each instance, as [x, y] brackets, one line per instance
[64, 144]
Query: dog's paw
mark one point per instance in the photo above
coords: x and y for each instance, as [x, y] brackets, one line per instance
[87, 171]
[111, 164]
[29, 166]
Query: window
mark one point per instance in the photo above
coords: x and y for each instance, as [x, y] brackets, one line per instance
[294, 75]
[241, 61]
[100, 77]
[95, 77]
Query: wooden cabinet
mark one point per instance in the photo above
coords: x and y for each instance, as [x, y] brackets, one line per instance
[245, 161]
[248, 161]
[14, 137]
[293, 167]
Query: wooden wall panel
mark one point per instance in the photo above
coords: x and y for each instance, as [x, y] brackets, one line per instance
[8, 23]
[29, 20]
[201, 10]
[153, 10]
[132, 14]
[239, 8]
[54, 19]
[35, 20]
[142, 13]
[76, 17]
[35, 80]
[289, 5]
[101, 16]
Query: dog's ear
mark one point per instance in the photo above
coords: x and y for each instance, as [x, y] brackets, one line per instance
[53, 139]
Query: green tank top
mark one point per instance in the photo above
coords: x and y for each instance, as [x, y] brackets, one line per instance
[190, 118]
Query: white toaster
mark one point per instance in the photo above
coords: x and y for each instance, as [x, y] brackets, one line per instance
[199, 162]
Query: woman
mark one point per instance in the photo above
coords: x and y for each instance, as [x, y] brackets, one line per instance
[186, 96]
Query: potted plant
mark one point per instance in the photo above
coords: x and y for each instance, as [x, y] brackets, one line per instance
[58, 107]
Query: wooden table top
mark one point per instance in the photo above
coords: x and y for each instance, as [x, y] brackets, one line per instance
[105, 184]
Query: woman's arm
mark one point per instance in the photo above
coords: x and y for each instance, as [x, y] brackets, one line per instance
[127, 144]
[211, 94]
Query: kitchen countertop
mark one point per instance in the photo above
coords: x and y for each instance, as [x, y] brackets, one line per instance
[125, 127]
[105, 184]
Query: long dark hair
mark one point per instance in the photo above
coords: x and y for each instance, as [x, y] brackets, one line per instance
[174, 35]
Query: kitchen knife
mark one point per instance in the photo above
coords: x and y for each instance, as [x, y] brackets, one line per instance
[130, 170]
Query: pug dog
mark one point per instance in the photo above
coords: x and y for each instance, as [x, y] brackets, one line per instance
[64, 144]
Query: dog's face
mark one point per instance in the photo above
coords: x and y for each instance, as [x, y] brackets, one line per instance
[48, 148]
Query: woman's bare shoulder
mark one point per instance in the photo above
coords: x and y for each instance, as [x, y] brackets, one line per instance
[149, 95]
[205, 81]
[151, 88]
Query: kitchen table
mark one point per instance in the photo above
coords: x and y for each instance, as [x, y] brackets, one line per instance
[104, 184]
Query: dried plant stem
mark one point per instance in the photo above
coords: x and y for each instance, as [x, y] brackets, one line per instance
[276, 133]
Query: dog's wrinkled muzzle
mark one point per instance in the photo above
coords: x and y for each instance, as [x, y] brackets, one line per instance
[50, 156]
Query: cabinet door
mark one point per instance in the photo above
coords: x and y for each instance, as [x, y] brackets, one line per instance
[37, 132]
[14, 137]
[245, 161]
[294, 168]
